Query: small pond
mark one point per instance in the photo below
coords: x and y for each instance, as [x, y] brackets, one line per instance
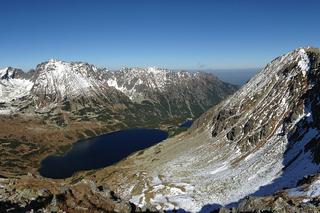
[187, 123]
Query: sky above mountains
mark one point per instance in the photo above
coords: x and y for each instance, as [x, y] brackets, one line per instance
[178, 34]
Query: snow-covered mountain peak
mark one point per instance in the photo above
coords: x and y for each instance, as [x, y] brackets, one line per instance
[53, 60]
[12, 88]
[3, 72]
[304, 62]
[59, 66]
[61, 79]
[7, 73]
[56, 66]
[155, 70]
[145, 71]
[283, 68]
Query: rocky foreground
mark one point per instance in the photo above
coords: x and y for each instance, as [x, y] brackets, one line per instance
[30, 193]
[35, 194]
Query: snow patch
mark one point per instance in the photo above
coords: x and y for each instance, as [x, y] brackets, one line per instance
[219, 169]
[304, 62]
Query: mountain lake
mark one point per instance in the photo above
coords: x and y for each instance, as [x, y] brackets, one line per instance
[100, 151]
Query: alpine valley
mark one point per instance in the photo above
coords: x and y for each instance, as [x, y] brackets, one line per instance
[251, 150]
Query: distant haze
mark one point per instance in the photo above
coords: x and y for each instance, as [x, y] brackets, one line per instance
[235, 76]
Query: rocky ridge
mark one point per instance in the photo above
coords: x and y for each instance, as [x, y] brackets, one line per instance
[77, 90]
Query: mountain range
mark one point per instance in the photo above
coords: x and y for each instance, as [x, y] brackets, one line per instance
[55, 87]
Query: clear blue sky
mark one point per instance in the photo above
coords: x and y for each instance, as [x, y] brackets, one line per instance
[167, 33]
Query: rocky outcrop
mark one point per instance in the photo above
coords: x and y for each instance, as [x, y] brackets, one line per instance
[274, 204]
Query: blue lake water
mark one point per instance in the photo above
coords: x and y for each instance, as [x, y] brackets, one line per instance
[100, 151]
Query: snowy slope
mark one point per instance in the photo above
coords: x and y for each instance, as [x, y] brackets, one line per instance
[12, 89]
[49, 85]
[65, 78]
[134, 82]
